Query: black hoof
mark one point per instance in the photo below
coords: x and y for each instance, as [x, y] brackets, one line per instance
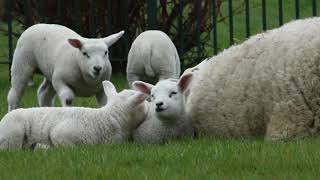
[68, 102]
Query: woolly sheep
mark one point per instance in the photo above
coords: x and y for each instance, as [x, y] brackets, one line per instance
[71, 64]
[68, 126]
[267, 86]
[166, 116]
[152, 57]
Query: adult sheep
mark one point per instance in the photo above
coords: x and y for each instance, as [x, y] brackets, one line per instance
[267, 86]
[152, 57]
[69, 126]
[71, 64]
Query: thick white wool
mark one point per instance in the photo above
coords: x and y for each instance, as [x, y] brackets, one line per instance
[72, 65]
[152, 57]
[267, 86]
[59, 126]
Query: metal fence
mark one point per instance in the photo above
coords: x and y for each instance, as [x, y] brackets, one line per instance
[213, 45]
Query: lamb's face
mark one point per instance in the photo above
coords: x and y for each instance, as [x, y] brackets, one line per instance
[94, 55]
[167, 101]
[94, 59]
[167, 96]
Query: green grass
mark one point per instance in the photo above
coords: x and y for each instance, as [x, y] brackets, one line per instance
[203, 158]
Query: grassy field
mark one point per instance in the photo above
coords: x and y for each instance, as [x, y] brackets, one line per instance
[203, 158]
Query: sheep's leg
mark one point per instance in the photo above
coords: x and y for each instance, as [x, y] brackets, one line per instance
[101, 98]
[289, 121]
[64, 92]
[20, 76]
[131, 78]
[46, 94]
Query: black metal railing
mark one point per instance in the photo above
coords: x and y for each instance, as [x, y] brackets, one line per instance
[152, 17]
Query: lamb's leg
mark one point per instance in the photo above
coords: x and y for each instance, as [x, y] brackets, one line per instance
[64, 92]
[101, 98]
[289, 121]
[46, 94]
[131, 78]
[21, 73]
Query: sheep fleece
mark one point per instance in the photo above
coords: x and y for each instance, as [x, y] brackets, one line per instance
[268, 86]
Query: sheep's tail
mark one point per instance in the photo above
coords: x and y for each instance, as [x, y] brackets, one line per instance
[147, 67]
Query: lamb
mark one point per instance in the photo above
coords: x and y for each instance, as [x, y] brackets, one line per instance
[166, 116]
[70, 126]
[71, 64]
[152, 57]
[268, 86]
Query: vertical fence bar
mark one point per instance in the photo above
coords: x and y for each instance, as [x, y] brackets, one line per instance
[125, 25]
[9, 17]
[264, 15]
[92, 18]
[77, 9]
[109, 21]
[297, 4]
[247, 9]
[181, 50]
[214, 25]
[280, 12]
[59, 9]
[230, 22]
[152, 14]
[314, 7]
[198, 5]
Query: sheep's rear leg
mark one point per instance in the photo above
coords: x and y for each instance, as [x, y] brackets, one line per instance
[21, 74]
[46, 94]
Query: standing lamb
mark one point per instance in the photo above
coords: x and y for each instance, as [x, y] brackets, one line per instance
[267, 86]
[59, 126]
[152, 57]
[166, 117]
[72, 65]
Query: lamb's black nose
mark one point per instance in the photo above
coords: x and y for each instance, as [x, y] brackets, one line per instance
[159, 104]
[97, 69]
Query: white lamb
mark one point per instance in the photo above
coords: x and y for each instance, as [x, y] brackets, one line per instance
[152, 57]
[71, 64]
[166, 117]
[267, 86]
[68, 126]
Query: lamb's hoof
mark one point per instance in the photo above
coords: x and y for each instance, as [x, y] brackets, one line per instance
[69, 102]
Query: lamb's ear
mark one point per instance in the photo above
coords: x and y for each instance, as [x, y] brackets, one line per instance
[142, 87]
[137, 98]
[113, 38]
[109, 89]
[76, 43]
[185, 81]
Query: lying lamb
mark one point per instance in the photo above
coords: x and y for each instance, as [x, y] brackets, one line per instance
[152, 57]
[58, 126]
[72, 65]
[166, 117]
[267, 86]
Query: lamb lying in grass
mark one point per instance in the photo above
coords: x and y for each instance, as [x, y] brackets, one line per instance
[268, 86]
[152, 57]
[72, 65]
[166, 117]
[60, 126]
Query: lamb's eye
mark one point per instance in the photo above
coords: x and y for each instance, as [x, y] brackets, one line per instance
[172, 93]
[86, 54]
[106, 53]
[152, 96]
